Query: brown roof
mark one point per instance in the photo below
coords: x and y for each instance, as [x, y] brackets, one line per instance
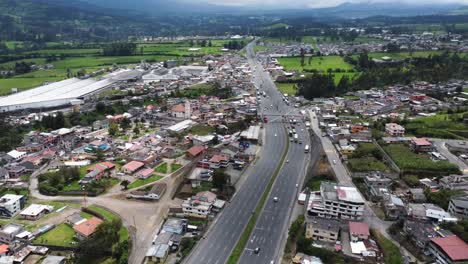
[88, 227]
[178, 108]
[195, 150]
[455, 248]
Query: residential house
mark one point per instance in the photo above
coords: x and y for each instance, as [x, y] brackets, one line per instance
[86, 228]
[9, 232]
[421, 145]
[4, 175]
[376, 182]
[97, 172]
[417, 195]
[322, 229]
[199, 205]
[144, 173]
[132, 167]
[458, 206]
[427, 211]
[17, 155]
[394, 130]
[454, 182]
[35, 211]
[11, 205]
[358, 231]
[394, 207]
[175, 226]
[31, 147]
[448, 250]
[195, 151]
[50, 259]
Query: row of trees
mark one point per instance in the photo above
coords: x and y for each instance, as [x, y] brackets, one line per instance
[119, 49]
[234, 45]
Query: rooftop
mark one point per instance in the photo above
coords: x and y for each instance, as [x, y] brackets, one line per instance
[455, 248]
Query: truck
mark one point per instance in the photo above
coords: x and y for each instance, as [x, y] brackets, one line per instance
[306, 149]
[296, 138]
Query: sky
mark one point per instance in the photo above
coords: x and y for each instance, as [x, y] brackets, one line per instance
[318, 3]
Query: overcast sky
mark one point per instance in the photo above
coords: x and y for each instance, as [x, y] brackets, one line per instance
[318, 3]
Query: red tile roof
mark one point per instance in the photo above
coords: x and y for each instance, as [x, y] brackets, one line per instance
[88, 227]
[195, 150]
[145, 173]
[358, 228]
[178, 108]
[455, 248]
[4, 248]
[132, 166]
[218, 158]
[421, 141]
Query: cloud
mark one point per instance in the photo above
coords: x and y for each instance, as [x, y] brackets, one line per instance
[318, 3]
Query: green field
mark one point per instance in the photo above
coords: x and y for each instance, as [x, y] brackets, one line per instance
[321, 64]
[439, 126]
[141, 182]
[287, 88]
[61, 235]
[404, 55]
[23, 83]
[407, 160]
[367, 157]
[175, 167]
[161, 168]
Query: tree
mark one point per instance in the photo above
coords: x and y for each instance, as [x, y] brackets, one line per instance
[100, 154]
[220, 178]
[125, 184]
[113, 129]
[209, 44]
[125, 123]
[215, 140]
[81, 73]
[69, 73]
[100, 244]
[203, 43]
[136, 130]
[100, 107]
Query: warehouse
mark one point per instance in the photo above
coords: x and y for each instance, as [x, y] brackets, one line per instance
[62, 92]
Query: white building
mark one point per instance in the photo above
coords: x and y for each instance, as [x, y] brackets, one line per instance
[199, 205]
[11, 205]
[35, 211]
[334, 201]
[394, 130]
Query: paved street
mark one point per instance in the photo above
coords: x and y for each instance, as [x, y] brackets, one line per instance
[442, 149]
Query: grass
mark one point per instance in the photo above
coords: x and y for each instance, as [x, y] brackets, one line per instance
[366, 164]
[23, 83]
[109, 216]
[61, 235]
[141, 182]
[201, 130]
[321, 64]
[204, 186]
[287, 88]
[175, 167]
[237, 251]
[440, 126]
[161, 168]
[412, 162]
[404, 55]
[391, 252]
[315, 181]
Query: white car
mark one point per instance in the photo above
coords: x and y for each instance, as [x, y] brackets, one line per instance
[334, 161]
[275, 199]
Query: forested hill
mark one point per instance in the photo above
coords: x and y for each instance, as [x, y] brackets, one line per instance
[40, 20]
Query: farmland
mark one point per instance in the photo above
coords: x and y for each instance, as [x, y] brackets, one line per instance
[440, 125]
[367, 157]
[409, 161]
[321, 64]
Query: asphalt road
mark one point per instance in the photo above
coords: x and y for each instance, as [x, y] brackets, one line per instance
[220, 240]
[442, 148]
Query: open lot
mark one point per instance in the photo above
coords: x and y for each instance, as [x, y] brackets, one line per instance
[61, 235]
[287, 88]
[321, 64]
[141, 182]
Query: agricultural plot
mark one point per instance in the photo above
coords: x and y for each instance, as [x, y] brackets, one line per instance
[367, 157]
[408, 161]
[440, 125]
[321, 64]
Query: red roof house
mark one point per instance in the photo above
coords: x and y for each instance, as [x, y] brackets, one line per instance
[87, 228]
[195, 151]
[358, 231]
[144, 173]
[132, 167]
[450, 249]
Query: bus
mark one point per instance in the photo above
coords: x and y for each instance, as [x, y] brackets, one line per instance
[306, 149]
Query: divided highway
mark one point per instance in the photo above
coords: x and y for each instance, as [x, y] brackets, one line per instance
[220, 240]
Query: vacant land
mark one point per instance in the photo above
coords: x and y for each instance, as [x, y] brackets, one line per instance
[321, 64]
[440, 126]
[161, 168]
[23, 83]
[408, 161]
[175, 167]
[141, 182]
[287, 88]
[367, 157]
[61, 235]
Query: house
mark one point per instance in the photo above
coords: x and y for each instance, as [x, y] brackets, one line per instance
[35, 211]
[199, 205]
[417, 195]
[394, 207]
[322, 229]
[16, 171]
[448, 250]
[74, 219]
[394, 130]
[11, 205]
[427, 211]
[195, 151]
[156, 192]
[16, 155]
[175, 226]
[97, 172]
[181, 110]
[458, 206]
[421, 145]
[4, 249]
[132, 167]
[358, 231]
[144, 173]
[4, 175]
[9, 232]
[336, 201]
[157, 253]
[87, 228]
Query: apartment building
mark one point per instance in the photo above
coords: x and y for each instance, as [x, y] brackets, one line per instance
[336, 201]
[11, 205]
[322, 229]
[458, 206]
[394, 130]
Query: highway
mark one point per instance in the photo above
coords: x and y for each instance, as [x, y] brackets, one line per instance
[273, 223]
[217, 244]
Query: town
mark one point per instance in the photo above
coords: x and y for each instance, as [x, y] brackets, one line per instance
[348, 145]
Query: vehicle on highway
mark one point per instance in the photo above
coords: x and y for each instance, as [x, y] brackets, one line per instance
[275, 199]
[264, 94]
[265, 119]
[306, 149]
[334, 161]
[256, 250]
[297, 185]
[287, 161]
[296, 138]
[300, 141]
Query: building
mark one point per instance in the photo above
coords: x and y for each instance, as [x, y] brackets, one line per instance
[448, 250]
[35, 211]
[199, 205]
[195, 151]
[11, 205]
[87, 228]
[458, 206]
[335, 201]
[132, 167]
[322, 229]
[394, 130]
[9, 232]
[358, 231]
[421, 145]
[54, 260]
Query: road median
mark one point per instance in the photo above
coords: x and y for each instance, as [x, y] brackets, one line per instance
[240, 245]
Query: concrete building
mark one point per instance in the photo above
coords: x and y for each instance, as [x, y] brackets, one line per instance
[322, 229]
[448, 250]
[11, 205]
[35, 211]
[394, 130]
[458, 206]
[421, 145]
[335, 201]
[199, 205]
[358, 231]
[9, 232]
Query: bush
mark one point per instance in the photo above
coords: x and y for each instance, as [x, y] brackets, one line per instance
[390, 251]
[411, 180]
